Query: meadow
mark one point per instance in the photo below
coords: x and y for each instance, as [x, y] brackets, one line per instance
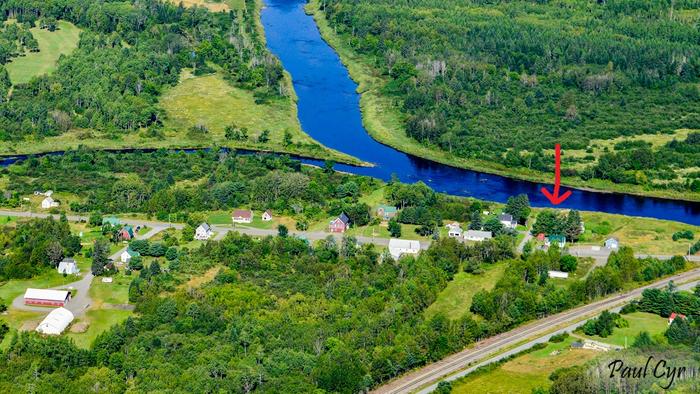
[638, 321]
[51, 46]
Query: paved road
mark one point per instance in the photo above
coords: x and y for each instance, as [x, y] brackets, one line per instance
[82, 301]
[431, 374]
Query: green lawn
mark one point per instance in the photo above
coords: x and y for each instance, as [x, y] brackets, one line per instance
[116, 292]
[526, 372]
[639, 321]
[50, 278]
[51, 46]
[456, 299]
[99, 321]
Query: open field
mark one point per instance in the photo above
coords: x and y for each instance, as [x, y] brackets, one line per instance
[644, 235]
[526, 372]
[639, 321]
[456, 299]
[384, 122]
[99, 320]
[51, 46]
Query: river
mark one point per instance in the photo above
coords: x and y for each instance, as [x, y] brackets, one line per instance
[329, 111]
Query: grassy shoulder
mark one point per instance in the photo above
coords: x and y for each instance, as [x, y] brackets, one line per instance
[384, 123]
[51, 46]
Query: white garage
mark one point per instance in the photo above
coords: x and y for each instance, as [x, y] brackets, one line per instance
[55, 322]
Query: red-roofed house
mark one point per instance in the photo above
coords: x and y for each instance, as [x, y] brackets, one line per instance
[673, 317]
[242, 216]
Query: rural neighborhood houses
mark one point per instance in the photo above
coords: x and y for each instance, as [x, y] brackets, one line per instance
[612, 243]
[127, 255]
[126, 233]
[46, 297]
[242, 216]
[55, 322]
[454, 230]
[558, 240]
[68, 267]
[49, 203]
[266, 216]
[203, 232]
[400, 247]
[507, 220]
[112, 221]
[477, 235]
[339, 224]
[673, 317]
[386, 212]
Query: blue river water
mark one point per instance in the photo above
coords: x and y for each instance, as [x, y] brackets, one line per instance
[329, 111]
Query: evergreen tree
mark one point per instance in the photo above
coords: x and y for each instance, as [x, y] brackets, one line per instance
[394, 228]
[100, 258]
[519, 207]
[476, 222]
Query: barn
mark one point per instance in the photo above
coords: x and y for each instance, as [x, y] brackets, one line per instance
[55, 322]
[45, 297]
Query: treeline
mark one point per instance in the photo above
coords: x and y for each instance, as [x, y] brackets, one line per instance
[505, 81]
[32, 246]
[129, 52]
[15, 40]
[525, 291]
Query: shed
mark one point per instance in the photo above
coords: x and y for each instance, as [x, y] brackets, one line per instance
[558, 274]
[612, 243]
[46, 297]
[55, 322]
[68, 267]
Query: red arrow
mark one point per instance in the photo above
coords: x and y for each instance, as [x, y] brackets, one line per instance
[555, 198]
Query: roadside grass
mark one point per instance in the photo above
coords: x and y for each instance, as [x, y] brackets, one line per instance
[116, 292]
[525, 373]
[456, 299]
[51, 45]
[384, 122]
[644, 235]
[639, 321]
[13, 288]
[99, 320]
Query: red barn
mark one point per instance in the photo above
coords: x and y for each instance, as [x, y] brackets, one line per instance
[44, 297]
[339, 224]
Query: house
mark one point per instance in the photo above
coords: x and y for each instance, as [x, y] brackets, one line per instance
[45, 297]
[673, 317]
[55, 322]
[558, 240]
[507, 220]
[267, 216]
[386, 212]
[48, 193]
[477, 235]
[339, 224]
[400, 247]
[203, 232]
[112, 220]
[126, 233]
[127, 255]
[68, 267]
[454, 230]
[48, 203]
[242, 216]
[558, 274]
[612, 243]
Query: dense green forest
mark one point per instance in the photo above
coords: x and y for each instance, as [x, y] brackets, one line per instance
[503, 81]
[129, 52]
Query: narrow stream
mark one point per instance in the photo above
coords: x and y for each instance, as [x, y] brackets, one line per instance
[329, 111]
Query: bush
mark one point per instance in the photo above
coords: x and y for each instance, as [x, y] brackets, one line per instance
[685, 234]
[559, 337]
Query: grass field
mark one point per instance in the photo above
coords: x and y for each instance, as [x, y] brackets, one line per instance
[99, 320]
[644, 235]
[639, 321]
[526, 372]
[384, 122]
[456, 299]
[213, 5]
[51, 46]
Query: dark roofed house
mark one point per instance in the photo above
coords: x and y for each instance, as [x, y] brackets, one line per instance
[507, 220]
[339, 224]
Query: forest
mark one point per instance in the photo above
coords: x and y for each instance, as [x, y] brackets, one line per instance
[128, 53]
[504, 81]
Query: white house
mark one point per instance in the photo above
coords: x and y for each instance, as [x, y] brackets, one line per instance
[399, 247]
[612, 243]
[507, 220]
[267, 216]
[454, 230]
[48, 203]
[55, 322]
[558, 274]
[477, 235]
[203, 232]
[127, 255]
[242, 216]
[68, 267]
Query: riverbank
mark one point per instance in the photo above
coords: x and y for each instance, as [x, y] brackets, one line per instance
[384, 123]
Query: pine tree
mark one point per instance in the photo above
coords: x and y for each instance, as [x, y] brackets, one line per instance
[100, 257]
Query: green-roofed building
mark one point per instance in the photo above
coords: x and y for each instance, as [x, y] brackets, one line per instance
[386, 212]
[112, 220]
[558, 240]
